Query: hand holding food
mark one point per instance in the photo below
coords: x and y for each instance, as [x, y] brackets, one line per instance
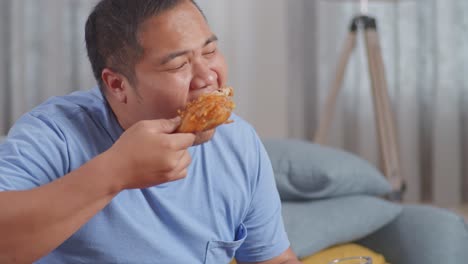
[149, 153]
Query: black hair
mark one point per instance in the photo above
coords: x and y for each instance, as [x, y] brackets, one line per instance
[111, 33]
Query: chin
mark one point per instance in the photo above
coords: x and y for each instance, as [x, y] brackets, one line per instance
[205, 136]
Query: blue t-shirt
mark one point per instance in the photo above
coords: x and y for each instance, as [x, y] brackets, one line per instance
[227, 206]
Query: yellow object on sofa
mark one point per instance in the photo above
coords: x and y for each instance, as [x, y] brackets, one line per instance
[341, 251]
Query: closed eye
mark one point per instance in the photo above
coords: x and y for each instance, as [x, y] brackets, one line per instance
[180, 67]
[209, 52]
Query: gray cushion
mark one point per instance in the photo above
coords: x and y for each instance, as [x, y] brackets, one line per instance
[304, 170]
[422, 234]
[315, 225]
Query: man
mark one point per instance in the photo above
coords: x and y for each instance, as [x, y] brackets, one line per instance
[100, 176]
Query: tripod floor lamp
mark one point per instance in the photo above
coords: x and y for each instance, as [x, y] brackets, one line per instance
[385, 122]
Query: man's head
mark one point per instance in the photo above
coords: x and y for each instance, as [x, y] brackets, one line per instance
[151, 57]
[111, 33]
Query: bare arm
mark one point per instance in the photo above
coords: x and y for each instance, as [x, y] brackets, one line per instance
[287, 257]
[34, 222]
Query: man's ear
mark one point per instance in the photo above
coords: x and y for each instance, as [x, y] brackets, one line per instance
[116, 85]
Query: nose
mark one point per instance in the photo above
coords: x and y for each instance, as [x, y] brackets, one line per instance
[203, 76]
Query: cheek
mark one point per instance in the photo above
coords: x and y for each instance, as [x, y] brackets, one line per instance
[165, 97]
[176, 98]
[166, 105]
[220, 67]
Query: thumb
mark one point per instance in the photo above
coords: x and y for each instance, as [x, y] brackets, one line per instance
[169, 125]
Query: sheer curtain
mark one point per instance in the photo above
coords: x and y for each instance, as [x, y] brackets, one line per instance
[425, 49]
[281, 56]
[42, 53]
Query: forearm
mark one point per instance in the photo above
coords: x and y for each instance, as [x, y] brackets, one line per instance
[34, 222]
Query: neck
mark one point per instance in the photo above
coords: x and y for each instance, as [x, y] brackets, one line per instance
[118, 111]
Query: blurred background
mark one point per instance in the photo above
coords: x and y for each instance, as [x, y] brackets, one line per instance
[282, 57]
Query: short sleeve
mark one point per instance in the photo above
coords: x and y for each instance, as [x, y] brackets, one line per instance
[266, 236]
[33, 154]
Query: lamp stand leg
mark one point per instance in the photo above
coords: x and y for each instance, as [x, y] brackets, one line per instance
[385, 123]
[321, 135]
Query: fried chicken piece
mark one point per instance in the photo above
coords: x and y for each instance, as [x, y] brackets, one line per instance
[207, 111]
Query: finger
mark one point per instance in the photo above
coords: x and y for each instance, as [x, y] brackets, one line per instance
[184, 165]
[179, 175]
[177, 160]
[179, 141]
[185, 160]
[167, 125]
[183, 173]
[180, 171]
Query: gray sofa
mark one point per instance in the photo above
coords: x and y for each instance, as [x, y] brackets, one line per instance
[332, 197]
[422, 234]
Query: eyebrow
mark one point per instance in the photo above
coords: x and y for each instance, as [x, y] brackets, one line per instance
[176, 54]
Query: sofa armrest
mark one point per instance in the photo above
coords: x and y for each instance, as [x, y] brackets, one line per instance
[422, 234]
